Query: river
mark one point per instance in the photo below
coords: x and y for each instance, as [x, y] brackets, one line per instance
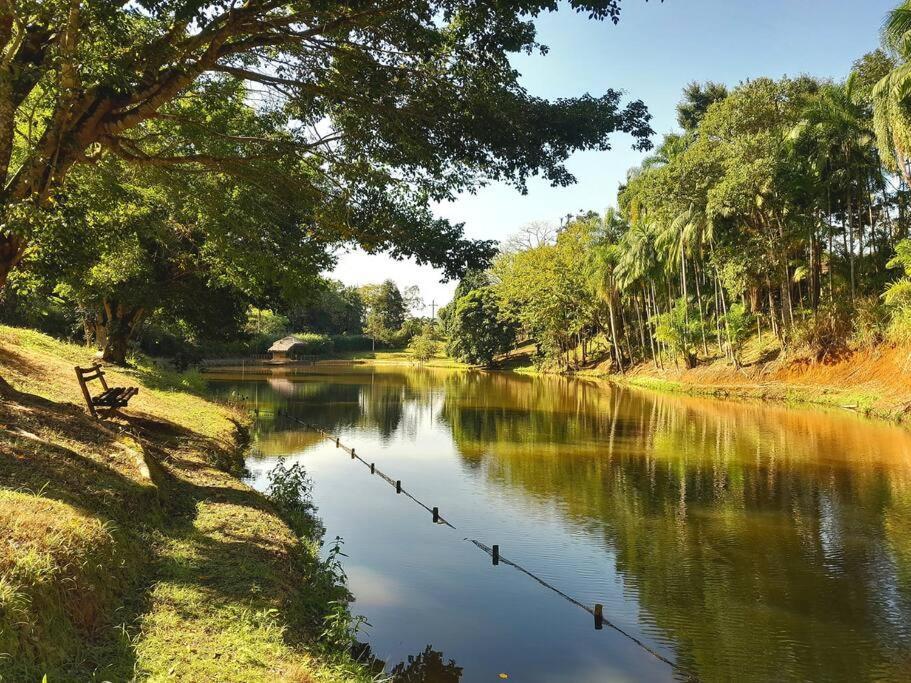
[725, 540]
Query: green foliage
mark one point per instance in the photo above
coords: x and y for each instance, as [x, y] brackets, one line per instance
[736, 328]
[898, 294]
[266, 322]
[335, 309]
[680, 329]
[351, 342]
[385, 310]
[474, 279]
[697, 98]
[290, 489]
[542, 289]
[340, 630]
[478, 330]
[154, 75]
[771, 211]
[311, 344]
[424, 346]
[892, 113]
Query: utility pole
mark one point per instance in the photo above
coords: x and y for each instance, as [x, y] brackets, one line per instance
[433, 309]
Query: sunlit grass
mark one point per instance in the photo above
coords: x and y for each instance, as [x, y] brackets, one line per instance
[106, 574]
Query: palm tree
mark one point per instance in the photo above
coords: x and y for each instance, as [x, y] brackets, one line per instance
[835, 137]
[892, 95]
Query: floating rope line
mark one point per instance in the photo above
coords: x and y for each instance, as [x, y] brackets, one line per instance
[396, 484]
[594, 612]
[494, 552]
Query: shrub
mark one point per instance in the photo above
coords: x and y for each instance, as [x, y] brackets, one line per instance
[736, 323]
[423, 347]
[352, 342]
[290, 489]
[898, 295]
[679, 329]
[871, 322]
[826, 332]
[312, 344]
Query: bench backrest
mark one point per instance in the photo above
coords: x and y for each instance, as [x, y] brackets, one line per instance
[91, 374]
[86, 375]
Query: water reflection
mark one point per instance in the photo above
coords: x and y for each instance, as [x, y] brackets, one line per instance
[427, 667]
[760, 543]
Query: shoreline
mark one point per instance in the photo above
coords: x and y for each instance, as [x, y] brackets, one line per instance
[873, 382]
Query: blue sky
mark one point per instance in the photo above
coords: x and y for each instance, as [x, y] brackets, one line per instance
[655, 50]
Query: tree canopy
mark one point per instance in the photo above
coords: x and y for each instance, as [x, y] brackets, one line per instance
[379, 106]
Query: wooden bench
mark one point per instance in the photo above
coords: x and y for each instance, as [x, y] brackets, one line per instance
[110, 398]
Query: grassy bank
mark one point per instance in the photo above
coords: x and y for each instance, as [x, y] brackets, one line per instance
[129, 547]
[398, 357]
[381, 357]
[872, 381]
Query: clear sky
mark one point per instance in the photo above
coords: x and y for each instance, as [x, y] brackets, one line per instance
[655, 50]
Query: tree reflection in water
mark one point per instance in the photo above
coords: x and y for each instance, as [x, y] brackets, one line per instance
[759, 541]
[427, 667]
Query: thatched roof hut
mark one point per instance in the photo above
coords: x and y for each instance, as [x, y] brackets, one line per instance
[281, 350]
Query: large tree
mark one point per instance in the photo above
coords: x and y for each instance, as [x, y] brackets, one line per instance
[388, 103]
[385, 310]
[126, 243]
[477, 331]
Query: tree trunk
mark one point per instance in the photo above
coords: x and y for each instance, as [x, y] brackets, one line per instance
[705, 345]
[654, 324]
[12, 249]
[629, 348]
[613, 333]
[849, 246]
[727, 324]
[120, 325]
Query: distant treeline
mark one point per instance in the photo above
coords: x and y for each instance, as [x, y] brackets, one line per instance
[779, 209]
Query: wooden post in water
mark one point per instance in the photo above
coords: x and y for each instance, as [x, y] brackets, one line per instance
[436, 515]
[336, 442]
[599, 616]
[398, 486]
[496, 555]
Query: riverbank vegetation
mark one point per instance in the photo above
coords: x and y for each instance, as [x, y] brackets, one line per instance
[175, 164]
[778, 214]
[131, 549]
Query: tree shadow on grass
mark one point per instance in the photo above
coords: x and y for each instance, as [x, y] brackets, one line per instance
[38, 455]
[220, 548]
[22, 365]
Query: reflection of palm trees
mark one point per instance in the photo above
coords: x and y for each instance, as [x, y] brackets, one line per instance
[735, 525]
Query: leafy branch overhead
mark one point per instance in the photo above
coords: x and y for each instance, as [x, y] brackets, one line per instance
[383, 105]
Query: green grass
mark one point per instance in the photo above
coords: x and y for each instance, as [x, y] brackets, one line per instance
[398, 357]
[864, 403]
[130, 549]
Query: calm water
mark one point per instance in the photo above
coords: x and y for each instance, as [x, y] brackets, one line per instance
[737, 540]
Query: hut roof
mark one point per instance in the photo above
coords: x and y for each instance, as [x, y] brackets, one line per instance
[285, 344]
